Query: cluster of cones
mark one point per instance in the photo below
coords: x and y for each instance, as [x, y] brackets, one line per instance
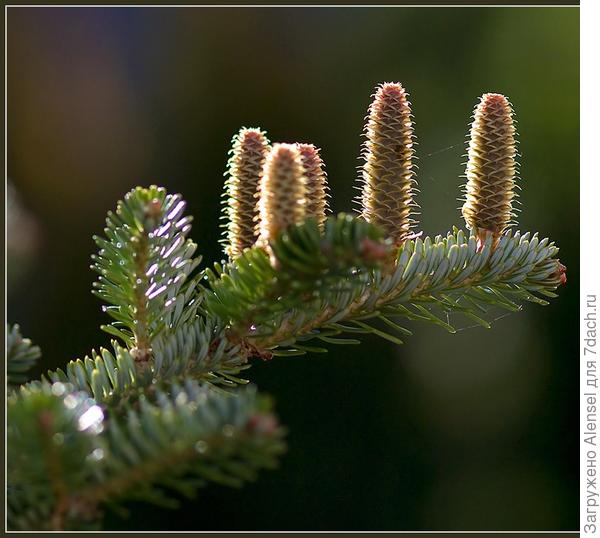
[270, 187]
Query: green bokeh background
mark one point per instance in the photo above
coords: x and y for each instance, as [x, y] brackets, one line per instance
[476, 430]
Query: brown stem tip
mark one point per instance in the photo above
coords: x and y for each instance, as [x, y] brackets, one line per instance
[561, 273]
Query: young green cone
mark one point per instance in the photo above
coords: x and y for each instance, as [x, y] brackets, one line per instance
[282, 192]
[388, 174]
[316, 183]
[491, 167]
[249, 151]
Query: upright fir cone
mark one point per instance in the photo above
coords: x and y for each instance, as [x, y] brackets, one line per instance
[244, 169]
[316, 183]
[388, 174]
[282, 192]
[491, 168]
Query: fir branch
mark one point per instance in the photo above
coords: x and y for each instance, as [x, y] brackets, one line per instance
[198, 349]
[450, 274]
[151, 418]
[53, 438]
[176, 438]
[186, 437]
[106, 376]
[251, 290]
[21, 355]
[143, 265]
[201, 350]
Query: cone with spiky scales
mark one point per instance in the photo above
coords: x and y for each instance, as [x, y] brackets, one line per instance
[281, 194]
[316, 183]
[248, 154]
[491, 168]
[388, 174]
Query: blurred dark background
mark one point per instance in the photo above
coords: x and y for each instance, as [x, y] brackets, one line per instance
[476, 430]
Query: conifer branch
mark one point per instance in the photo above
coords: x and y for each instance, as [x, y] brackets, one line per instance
[143, 265]
[446, 275]
[53, 438]
[188, 430]
[21, 355]
[163, 412]
[197, 350]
